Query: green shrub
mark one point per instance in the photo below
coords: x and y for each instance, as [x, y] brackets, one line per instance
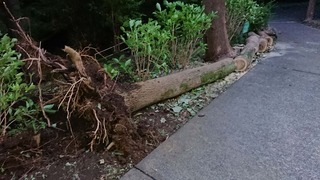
[236, 13]
[259, 15]
[121, 66]
[240, 11]
[186, 24]
[148, 43]
[169, 41]
[17, 111]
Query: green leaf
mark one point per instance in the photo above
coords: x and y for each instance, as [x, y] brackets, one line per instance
[10, 111]
[49, 108]
[137, 23]
[128, 63]
[50, 111]
[158, 7]
[131, 23]
[29, 103]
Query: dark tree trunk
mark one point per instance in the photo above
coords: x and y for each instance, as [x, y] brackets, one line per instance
[216, 36]
[14, 7]
[116, 35]
[310, 11]
[116, 31]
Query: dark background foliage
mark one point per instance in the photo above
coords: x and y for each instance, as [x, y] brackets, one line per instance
[80, 23]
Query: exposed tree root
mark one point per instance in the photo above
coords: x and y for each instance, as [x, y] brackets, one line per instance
[82, 89]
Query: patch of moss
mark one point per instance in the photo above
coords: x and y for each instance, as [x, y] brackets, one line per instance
[213, 76]
[184, 86]
[168, 93]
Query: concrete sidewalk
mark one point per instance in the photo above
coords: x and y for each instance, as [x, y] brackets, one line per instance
[265, 126]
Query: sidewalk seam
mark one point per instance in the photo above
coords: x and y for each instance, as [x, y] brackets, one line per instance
[144, 172]
[307, 72]
[292, 69]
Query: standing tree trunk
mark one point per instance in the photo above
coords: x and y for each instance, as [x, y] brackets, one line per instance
[310, 11]
[116, 31]
[216, 36]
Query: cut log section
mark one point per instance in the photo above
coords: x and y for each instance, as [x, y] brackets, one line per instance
[263, 44]
[267, 37]
[155, 90]
[244, 59]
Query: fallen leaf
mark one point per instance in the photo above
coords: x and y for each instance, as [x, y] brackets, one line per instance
[101, 161]
[177, 109]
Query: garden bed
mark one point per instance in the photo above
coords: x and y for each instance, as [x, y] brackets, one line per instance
[60, 154]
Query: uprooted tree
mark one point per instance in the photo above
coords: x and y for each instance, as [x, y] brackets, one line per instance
[78, 85]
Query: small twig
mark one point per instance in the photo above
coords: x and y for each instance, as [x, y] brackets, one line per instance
[30, 59]
[40, 93]
[19, 28]
[114, 84]
[110, 146]
[65, 149]
[48, 142]
[23, 176]
[100, 52]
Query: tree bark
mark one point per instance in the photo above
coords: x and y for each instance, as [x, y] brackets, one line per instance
[155, 90]
[310, 11]
[217, 37]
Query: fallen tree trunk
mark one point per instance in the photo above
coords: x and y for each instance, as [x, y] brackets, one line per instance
[155, 90]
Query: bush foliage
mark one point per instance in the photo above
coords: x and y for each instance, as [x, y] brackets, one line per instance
[17, 111]
[240, 11]
[169, 41]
